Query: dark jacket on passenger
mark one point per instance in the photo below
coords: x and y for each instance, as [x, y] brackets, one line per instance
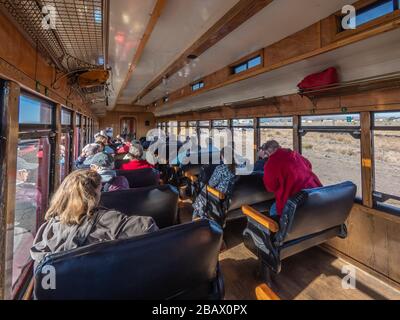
[111, 182]
[104, 225]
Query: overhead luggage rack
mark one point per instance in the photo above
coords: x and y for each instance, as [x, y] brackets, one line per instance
[70, 33]
[387, 81]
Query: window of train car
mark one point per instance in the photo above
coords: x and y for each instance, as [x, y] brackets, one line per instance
[173, 128]
[376, 10]
[387, 159]
[333, 141]
[204, 134]
[183, 131]
[373, 11]
[249, 64]
[35, 171]
[192, 129]
[66, 145]
[78, 136]
[220, 133]
[279, 129]
[243, 139]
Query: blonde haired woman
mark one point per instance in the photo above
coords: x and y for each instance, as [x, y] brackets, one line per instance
[75, 219]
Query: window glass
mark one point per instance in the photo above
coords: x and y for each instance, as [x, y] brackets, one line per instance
[220, 123]
[374, 11]
[243, 123]
[276, 122]
[66, 117]
[283, 136]
[77, 142]
[64, 155]
[204, 124]
[254, 62]
[78, 120]
[387, 157]
[198, 86]
[34, 111]
[243, 139]
[343, 120]
[32, 193]
[204, 138]
[279, 129]
[173, 128]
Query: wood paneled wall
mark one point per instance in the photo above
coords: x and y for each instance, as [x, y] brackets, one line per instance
[373, 241]
[113, 119]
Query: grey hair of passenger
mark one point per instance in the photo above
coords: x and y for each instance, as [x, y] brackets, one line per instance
[136, 151]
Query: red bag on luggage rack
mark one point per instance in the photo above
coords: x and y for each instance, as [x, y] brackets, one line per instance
[321, 79]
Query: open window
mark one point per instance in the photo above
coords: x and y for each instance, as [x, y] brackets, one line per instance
[386, 131]
[332, 143]
[279, 129]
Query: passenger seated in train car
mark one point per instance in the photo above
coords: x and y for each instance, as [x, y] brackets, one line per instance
[124, 148]
[88, 152]
[135, 156]
[222, 179]
[103, 164]
[286, 173]
[74, 218]
[105, 140]
[262, 159]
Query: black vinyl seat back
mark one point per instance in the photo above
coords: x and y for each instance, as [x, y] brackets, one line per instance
[141, 178]
[323, 209]
[160, 203]
[248, 190]
[180, 262]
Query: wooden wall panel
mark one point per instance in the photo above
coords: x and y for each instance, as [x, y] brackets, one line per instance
[10, 170]
[376, 100]
[373, 241]
[112, 120]
[297, 44]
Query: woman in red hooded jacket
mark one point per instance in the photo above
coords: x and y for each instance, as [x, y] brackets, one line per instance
[286, 173]
[136, 163]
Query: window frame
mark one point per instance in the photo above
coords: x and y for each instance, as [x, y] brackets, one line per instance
[28, 131]
[379, 198]
[361, 9]
[197, 86]
[260, 127]
[245, 63]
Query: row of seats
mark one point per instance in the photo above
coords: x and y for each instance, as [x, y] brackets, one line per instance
[145, 267]
[316, 216]
[152, 267]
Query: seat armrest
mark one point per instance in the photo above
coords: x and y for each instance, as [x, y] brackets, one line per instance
[263, 292]
[265, 221]
[218, 194]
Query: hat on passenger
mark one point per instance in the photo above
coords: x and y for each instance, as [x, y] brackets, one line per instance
[92, 149]
[102, 160]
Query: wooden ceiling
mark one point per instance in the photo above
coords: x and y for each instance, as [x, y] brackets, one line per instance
[179, 31]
